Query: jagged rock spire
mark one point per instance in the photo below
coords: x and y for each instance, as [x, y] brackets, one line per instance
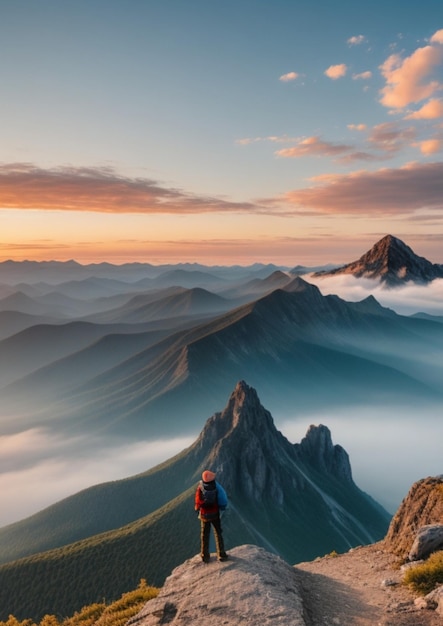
[317, 448]
[243, 443]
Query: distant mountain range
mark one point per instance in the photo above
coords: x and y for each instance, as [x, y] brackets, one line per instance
[302, 349]
[296, 500]
[392, 262]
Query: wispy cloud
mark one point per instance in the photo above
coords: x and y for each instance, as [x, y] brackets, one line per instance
[313, 146]
[362, 76]
[246, 141]
[383, 192]
[380, 143]
[38, 468]
[101, 189]
[410, 79]
[336, 71]
[359, 127]
[356, 40]
[390, 137]
[290, 76]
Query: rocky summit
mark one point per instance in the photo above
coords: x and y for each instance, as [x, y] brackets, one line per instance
[361, 587]
[392, 262]
[253, 588]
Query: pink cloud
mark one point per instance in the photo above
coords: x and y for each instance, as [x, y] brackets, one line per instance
[313, 146]
[25, 186]
[410, 80]
[390, 138]
[286, 78]
[429, 111]
[384, 192]
[336, 71]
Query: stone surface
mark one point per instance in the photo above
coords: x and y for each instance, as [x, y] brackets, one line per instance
[423, 505]
[252, 588]
[429, 539]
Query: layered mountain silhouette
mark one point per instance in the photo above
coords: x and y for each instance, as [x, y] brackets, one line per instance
[302, 349]
[296, 500]
[392, 262]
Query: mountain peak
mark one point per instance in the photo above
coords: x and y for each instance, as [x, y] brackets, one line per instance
[243, 442]
[392, 262]
[243, 413]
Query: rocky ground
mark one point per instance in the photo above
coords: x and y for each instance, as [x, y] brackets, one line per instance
[256, 588]
[359, 588]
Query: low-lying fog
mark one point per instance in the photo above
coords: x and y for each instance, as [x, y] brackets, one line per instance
[404, 300]
[389, 450]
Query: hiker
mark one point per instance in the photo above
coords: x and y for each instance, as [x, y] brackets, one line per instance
[210, 499]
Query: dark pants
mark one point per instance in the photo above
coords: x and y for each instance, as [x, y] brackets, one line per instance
[205, 530]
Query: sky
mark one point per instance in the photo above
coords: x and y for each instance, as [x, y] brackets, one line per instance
[234, 132]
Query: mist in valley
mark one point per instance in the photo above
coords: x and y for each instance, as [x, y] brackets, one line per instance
[389, 448]
[390, 444]
[406, 300]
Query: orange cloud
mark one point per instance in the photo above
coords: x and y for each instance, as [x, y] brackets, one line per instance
[430, 146]
[429, 111]
[373, 194]
[25, 186]
[336, 71]
[288, 77]
[408, 80]
[437, 37]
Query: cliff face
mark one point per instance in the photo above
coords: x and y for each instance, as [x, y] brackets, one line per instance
[423, 505]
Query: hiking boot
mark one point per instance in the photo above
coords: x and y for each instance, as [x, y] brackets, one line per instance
[206, 559]
[223, 557]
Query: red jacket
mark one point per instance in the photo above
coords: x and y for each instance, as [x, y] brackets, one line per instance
[207, 511]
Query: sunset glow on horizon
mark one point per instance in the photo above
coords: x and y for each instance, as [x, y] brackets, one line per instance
[219, 134]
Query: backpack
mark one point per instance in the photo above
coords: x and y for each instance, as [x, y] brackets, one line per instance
[209, 491]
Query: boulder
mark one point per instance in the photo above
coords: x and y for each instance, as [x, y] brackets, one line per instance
[428, 539]
[253, 587]
[432, 601]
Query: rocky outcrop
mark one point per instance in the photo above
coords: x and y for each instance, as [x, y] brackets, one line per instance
[429, 539]
[317, 448]
[422, 506]
[392, 262]
[253, 588]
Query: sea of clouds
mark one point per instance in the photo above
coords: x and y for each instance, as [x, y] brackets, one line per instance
[405, 300]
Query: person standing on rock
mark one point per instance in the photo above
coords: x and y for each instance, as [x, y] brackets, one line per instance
[210, 499]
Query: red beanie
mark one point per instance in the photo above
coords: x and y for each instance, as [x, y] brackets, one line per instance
[208, 476]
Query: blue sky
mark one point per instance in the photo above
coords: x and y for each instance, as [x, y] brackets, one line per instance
[164, 130]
